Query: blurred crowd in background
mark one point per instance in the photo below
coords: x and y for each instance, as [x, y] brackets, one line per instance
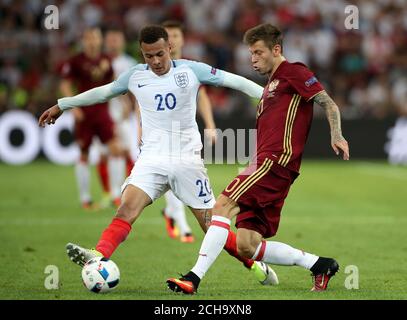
[364, 70]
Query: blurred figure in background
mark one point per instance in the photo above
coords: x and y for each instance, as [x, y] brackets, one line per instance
[84, 71]
[339, 56]
[396, 147]
[120, 109]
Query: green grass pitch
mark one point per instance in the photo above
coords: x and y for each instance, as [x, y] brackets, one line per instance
[354, 211]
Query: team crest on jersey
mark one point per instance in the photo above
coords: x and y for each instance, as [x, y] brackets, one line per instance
[181, 79]
[273, 86]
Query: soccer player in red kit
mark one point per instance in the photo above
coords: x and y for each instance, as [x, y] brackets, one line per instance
[86, 70]
[256, 197]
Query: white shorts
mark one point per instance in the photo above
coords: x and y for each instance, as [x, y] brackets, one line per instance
[188, 180]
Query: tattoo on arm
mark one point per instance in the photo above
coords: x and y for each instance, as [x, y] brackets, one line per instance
[332, 114]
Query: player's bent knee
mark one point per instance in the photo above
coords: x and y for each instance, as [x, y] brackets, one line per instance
[245, 250]
[225, 207]
[221, 210]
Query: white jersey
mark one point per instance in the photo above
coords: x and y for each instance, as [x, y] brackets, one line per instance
[168, 106]
[120, 64]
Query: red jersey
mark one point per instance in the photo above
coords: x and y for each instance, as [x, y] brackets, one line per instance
[86, 73]
[284, 114]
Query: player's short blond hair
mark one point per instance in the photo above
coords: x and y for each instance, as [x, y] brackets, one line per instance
[270, 34]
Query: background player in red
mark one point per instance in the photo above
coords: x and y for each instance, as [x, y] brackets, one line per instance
[257, 195]
[86, 70]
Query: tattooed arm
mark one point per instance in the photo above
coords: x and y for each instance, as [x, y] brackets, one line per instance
[338, 142]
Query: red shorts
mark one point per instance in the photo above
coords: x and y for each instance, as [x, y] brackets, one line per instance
[100, 124]
[260, 191]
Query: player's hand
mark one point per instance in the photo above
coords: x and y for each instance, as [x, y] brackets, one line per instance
[341, 145]
[211, 135]
[49, 116]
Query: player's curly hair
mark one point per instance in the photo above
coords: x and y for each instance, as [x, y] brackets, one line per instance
[152, 33]
[270, 34]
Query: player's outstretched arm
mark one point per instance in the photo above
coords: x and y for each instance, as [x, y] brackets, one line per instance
[87, 98]
[240, 83]
[93, 96]
[338, 142]
[209, 75]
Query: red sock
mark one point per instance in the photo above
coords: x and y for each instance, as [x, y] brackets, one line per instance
[231, 248]
[129, 165]
[103, 175]
[113, 235]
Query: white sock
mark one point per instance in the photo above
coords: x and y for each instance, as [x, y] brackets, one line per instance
[283, 254]
[82, 173]
[116, 167]
[212, 245]
[175, 209]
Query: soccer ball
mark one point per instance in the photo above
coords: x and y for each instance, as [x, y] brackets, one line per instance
[100, 275]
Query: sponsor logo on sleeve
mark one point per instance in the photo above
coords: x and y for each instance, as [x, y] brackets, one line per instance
[214, 70]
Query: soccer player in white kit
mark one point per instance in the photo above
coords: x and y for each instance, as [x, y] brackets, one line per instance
[170, 155]
[174, 212]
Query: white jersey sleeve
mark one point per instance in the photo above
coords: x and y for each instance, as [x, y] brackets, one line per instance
[204, 72]
[89, 97]
[217, 77]
[240, 83]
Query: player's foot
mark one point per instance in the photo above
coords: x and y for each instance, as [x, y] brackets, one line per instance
[187, 238]
[81, 255]
[89, 206]
[264, 274]
[322, 271]
[172, 230]
[187, 284]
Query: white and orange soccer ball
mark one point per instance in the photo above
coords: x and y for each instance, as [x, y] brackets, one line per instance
[100, 275]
